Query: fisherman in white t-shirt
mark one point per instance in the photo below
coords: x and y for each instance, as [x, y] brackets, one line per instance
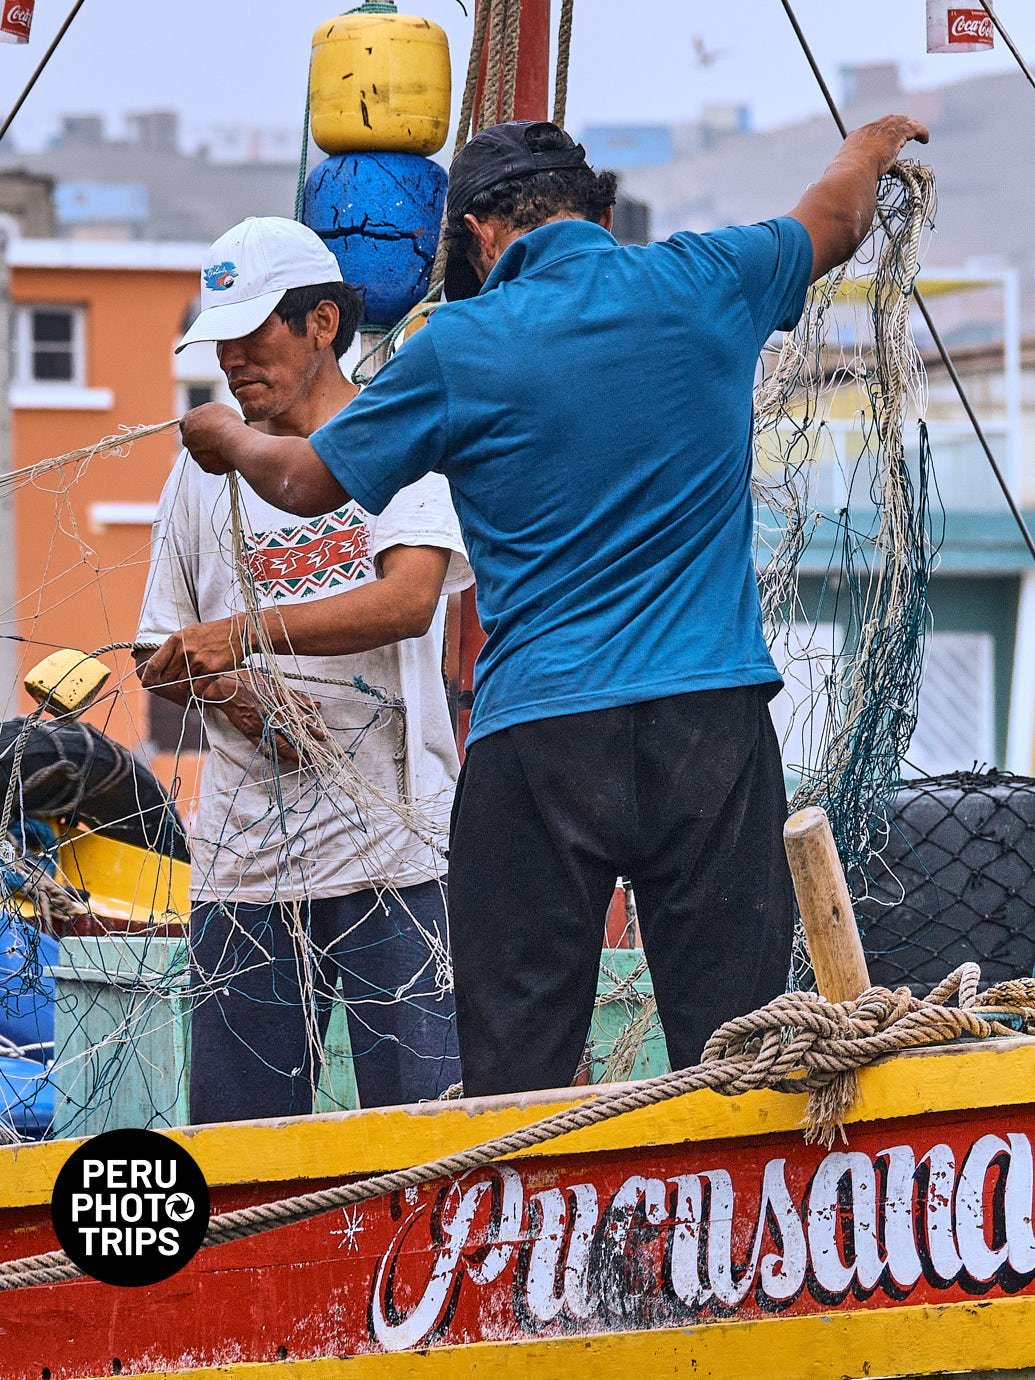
[295, 891]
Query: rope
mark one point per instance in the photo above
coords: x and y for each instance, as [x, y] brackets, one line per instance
[511, 47]
[560, 93]
[7, 850]
[474, 62]
[798, 1043]
[116, 444]
[303, 156]
[488, 109]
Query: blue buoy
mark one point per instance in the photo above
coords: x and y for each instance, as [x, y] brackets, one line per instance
[379, 214]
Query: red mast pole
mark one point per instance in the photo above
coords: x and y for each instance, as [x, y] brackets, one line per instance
[531, 102]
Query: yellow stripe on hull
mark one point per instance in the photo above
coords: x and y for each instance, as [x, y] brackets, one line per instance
[339, 1145]
[947, 1339]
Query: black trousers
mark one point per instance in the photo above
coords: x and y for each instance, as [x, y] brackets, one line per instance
[685, 796]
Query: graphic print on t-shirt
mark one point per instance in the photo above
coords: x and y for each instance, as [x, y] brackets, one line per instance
[315, 557]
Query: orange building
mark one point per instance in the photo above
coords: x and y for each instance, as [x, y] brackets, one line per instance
[93, 327]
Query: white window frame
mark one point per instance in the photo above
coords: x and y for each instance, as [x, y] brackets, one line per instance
[22, 376]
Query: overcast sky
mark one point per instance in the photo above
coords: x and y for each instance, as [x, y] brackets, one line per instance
[245, 61]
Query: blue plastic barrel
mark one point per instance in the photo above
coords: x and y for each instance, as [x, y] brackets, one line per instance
[26, 987]
[379, 214]
[26, 1097]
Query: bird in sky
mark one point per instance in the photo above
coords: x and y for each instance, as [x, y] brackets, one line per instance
[706, 57]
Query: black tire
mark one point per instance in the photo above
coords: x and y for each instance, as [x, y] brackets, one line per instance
[955, 881]
[71, 771]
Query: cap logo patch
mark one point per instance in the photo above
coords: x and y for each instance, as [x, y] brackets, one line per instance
[219, 277]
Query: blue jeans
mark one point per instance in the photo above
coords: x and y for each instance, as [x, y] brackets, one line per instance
[261, 1008]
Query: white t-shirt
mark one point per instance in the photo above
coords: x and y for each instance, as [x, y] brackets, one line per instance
[262, 834]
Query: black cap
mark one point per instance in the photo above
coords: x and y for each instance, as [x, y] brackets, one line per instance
[516, 149]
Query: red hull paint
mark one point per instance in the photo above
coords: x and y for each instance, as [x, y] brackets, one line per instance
[931, 1210]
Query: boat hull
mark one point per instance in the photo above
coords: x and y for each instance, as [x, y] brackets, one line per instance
[702, 1234]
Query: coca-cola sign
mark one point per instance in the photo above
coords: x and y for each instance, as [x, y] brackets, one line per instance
[971, 27]
[16, 20]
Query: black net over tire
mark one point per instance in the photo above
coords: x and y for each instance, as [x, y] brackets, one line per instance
[954, 880]
[72, 771]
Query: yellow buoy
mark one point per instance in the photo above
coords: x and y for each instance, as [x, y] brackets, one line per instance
[379, 80]
[67, 682]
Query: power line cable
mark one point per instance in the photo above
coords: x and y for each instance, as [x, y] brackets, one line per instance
[41, 65]
[1008, 41]
[939, 344]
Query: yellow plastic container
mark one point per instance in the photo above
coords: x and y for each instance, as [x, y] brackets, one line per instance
[126, 883]
[379, 81]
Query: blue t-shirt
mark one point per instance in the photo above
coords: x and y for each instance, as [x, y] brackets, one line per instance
[591, 409]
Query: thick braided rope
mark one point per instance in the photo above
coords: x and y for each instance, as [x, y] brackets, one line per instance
[474, 62]
[488, 107]
[511, 44]
[798, 1043]
[560, 90]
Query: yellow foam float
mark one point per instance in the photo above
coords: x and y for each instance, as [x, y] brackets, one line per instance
[379, 80]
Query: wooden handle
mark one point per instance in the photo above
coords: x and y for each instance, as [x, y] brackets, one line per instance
[826, 906]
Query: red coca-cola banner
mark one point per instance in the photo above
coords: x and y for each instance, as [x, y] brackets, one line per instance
[971, 27]
[16, 20]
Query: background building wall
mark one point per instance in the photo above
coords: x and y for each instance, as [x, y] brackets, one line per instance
[81, 551]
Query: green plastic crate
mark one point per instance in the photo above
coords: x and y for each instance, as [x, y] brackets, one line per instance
[121, 1033]
[612, 1019]
[122, 1037]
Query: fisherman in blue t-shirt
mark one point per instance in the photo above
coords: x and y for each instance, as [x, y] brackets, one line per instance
[590, 405]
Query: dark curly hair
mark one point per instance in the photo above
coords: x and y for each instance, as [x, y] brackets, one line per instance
[525, 202]
[296, 304]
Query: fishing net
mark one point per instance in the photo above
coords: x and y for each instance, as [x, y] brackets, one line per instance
[833, 473]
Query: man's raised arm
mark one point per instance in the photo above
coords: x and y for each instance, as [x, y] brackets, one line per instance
[284, 470]
[838, 210]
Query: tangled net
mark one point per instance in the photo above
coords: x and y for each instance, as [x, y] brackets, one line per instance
[859, 697]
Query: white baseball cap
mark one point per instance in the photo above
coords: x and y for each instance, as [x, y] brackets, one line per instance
[248, 270]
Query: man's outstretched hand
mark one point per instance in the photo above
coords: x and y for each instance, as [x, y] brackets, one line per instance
[838, 210]
[209, 432]
[884, 139]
